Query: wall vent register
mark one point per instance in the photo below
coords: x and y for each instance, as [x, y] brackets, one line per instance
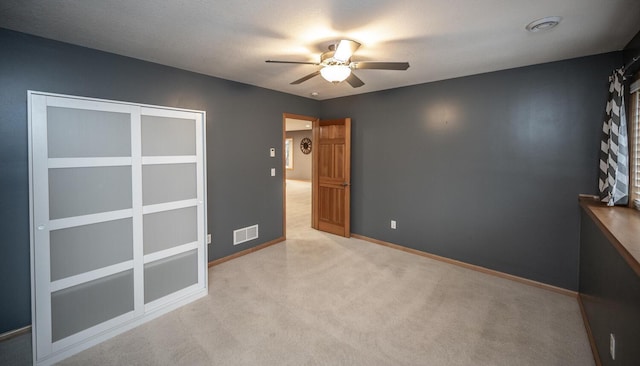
[245, 234]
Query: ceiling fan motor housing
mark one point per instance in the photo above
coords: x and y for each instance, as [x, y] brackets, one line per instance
[327, 59]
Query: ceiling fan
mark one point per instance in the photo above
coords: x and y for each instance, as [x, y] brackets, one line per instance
[337, 65]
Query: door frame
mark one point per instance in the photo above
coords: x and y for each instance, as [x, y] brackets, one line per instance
[314, 124]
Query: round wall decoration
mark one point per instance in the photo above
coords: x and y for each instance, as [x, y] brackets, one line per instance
[305, 145]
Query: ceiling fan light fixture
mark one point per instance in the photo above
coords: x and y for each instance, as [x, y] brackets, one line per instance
[336, 65]
[335, 73]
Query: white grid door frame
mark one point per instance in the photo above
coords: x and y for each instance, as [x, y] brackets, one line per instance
[47, 351]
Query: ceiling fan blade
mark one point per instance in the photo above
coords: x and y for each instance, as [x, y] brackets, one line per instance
[381, 65]
[345, 49]
[354, 81]
[303, 79]
[292, 62]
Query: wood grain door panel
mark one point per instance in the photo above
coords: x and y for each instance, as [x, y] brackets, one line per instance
[325, 158]
[332, 178]
[331, 211]
[338, 162]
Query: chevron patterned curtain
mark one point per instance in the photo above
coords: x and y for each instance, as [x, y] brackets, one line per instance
[614, 150]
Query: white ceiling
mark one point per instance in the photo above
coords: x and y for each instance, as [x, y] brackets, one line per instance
[231, 39]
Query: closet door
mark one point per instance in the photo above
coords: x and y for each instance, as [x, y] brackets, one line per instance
[118, 217]
[83, 202]
[172, 204]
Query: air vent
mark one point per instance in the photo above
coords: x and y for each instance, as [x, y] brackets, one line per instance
[543, 24]
[245, 234]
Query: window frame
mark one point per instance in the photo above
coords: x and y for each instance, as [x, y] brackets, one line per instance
[634, 139]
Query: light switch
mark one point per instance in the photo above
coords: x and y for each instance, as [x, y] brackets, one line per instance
[273, 172]
[272, 152]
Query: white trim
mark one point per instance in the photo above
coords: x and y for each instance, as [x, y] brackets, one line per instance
[75, 97]
[200, 179]
[168, 112]
[87, 162]
[153, 160]
[138, 232]
[90, 276]
[68, 222]
[162, 254]
[32, 253]
[93, 105]
[167, 206]
[203, 256]
[163, 301]
[40, 233]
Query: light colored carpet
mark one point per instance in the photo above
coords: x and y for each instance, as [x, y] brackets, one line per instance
[318, 299]
[16, 351]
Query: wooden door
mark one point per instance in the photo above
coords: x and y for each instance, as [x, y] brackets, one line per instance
[332, 176]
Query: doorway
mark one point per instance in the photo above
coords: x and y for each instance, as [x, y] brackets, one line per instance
[330, 173]
[298, 149]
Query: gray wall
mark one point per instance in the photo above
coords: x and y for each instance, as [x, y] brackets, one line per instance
[241, 191]
[610, 294]
[485, 169]
[301, 162]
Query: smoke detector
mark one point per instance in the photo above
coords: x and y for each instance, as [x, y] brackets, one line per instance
[543, 24]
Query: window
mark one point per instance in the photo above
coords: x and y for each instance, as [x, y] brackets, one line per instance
[634, 139]
[288, 153]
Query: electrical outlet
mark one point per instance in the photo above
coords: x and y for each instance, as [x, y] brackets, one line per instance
[208, 238]
[612, 346]
[393, 224]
